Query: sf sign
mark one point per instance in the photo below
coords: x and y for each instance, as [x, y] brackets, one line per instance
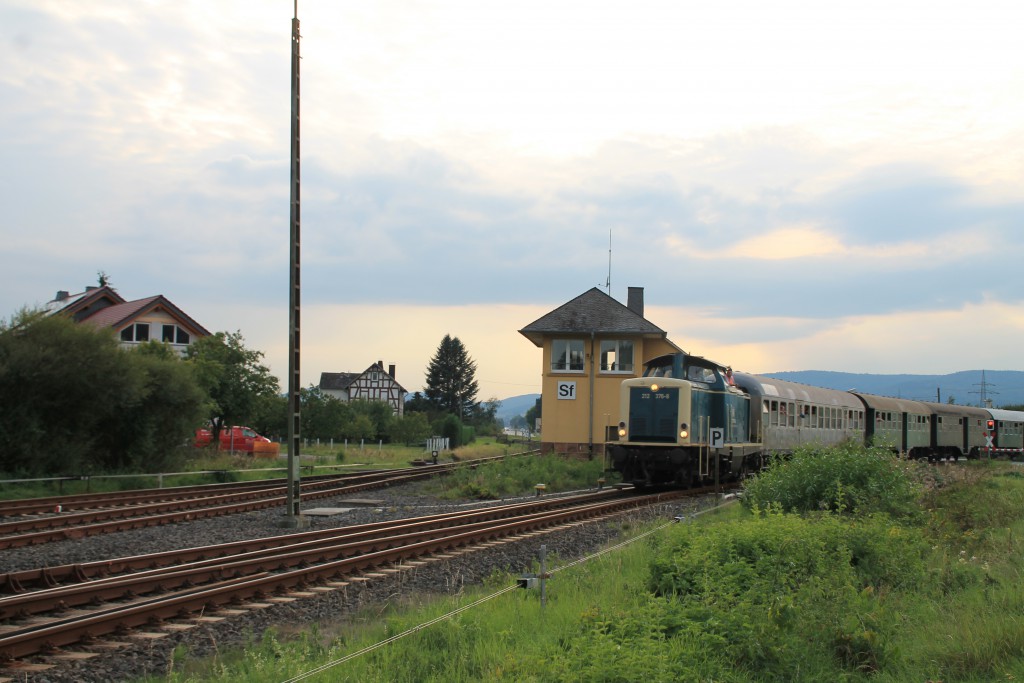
[567, 391]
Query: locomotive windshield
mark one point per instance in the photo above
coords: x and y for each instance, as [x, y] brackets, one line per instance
[659, 367]
[681, 366]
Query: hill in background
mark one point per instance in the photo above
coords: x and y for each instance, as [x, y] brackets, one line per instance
[515, 405]
[1002, 387]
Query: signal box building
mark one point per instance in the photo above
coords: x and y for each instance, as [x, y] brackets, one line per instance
[590, 345]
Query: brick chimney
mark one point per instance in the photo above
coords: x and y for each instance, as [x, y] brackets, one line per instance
[391, 370]
[635, 300]
[61, 295]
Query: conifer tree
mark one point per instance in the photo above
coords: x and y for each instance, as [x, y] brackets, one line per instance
[451, 379]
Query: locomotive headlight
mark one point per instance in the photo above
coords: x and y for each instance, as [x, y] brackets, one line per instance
[654, 387]
[622, 429]
[683, 431]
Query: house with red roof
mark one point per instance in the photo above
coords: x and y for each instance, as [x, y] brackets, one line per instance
[154, 318]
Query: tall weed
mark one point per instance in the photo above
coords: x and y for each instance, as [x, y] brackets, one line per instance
[844, 478]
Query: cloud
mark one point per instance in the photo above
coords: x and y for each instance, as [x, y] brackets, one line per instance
[768, 193]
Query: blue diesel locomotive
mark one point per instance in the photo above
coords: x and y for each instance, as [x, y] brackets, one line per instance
[689, 421]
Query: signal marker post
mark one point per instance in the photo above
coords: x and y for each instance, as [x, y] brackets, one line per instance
[717, 441]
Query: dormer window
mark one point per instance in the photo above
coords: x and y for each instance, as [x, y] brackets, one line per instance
[138, 332]
[175, 335]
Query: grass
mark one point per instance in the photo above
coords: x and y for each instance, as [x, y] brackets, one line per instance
[207, 466]
[519, 476]
[751, 595]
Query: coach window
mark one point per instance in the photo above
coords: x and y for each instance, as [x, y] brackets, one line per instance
[774, 420]
[617, 355]
[567, 355]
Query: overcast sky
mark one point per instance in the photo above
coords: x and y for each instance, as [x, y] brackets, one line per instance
[797, 185]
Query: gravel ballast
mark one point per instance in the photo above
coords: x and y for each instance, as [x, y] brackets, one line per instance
[137, 657]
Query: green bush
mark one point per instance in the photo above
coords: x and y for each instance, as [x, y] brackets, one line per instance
[843, 478]
[782, 589]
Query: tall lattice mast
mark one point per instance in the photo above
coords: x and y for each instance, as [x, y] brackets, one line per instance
[294, 384]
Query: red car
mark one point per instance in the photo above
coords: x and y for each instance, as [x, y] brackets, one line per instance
[244, 439]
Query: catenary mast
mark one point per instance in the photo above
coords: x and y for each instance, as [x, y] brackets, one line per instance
[294, 517]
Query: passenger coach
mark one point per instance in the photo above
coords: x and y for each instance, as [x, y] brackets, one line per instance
[791, 414]
[1007, 430]
[899, 423]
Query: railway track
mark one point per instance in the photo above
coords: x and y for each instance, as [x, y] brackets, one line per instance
[53, 608]
[42, 520]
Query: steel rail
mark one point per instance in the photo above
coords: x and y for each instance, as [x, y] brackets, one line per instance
[49, 577]
[144, 515]
[243, 564]
[138, 496]
[76, 525]
[173, 561]
[33, 639]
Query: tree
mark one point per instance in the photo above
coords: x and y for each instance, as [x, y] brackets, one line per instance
[532, 414]
[451, 379]
[233, 376]
[271, 416]
[485, 416]
[380, 414]
[144, 431]
[360, 427]
[411, 428]
[324, 416]
[72, 401]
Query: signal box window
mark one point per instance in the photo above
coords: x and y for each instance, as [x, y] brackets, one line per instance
[617, 355]
[567, 355]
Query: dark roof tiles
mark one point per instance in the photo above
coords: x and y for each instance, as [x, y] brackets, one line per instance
[593, 311]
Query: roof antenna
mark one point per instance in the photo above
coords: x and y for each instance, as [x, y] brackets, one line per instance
[608, 282]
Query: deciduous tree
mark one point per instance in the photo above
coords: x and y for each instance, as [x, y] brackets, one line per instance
[234, 377]
[71, 401]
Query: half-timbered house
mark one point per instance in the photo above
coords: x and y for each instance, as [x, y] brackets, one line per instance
[372, 384]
